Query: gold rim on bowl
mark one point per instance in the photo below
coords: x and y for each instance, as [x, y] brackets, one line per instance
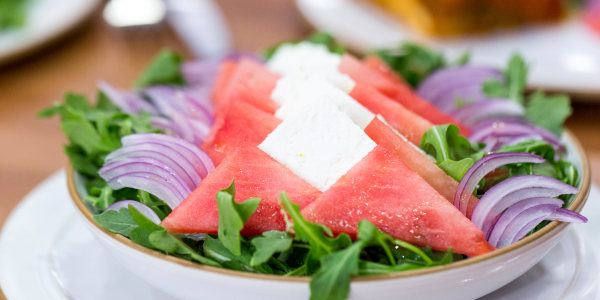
[553, 228]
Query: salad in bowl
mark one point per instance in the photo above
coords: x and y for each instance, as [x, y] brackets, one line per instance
[307, 169]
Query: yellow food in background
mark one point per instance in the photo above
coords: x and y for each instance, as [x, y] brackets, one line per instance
[454, 17]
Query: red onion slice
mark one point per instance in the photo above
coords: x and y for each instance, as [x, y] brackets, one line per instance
[565, 215]
[506, 129]
[507, 217]
[524, 222]
[184, 169]
[128, 102]
[141, 207]
[150, 183]
[190, 151]
[508, 192]
[482, 110]
[116, 169]
[482, 167]
[448, 80]
[165, 166]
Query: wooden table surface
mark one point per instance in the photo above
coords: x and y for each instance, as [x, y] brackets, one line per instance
[31, 148]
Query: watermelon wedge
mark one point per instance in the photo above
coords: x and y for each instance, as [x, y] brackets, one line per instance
[413, 158]
[396, 90]
[251, 82]
[384, 191]
[226, 70]
[240, 124]
[409, 124]
[256, 175]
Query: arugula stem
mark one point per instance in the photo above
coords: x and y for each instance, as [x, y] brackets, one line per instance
[414, 249]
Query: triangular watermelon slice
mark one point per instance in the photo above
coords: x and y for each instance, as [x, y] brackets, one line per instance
[411, 125]
[416, 160]
[396, 90]
[250, 82]
[384, 191]
[240, 124]
[256, 175]
[219, 89]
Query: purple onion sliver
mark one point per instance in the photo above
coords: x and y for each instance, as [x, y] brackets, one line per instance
[446, 80]
[141, 207]
[473, 113]
[565, 215]
[491, 203]
[160, 189]
[482, 167]
[512, 212]
[180, 165]
[182, 146]
[525, 222]
[147, 166]
[498, 129]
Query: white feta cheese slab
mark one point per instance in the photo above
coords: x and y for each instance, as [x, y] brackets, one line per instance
[291, 92]
[318, 143]
[306, 59]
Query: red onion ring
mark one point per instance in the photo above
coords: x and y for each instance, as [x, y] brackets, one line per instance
[141, 207]
[482, 167]
[512, 190]
[508, 216]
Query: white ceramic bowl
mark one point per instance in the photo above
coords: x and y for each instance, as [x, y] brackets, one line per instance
[466, 279]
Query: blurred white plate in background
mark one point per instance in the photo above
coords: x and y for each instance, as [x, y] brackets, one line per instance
[562, 57]
[46, 21]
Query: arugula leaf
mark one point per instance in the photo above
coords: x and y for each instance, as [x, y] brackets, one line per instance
[548, 112]
[537, 147]
[314, 234]
[100, 197]
[158, 206]
[164, 69]
[145, 227]
[515, 80]
[164, 241]
[214, 249]
[516, 77]
[119, 222]
[332, 281]
[269, 243]
[232, 217]
[323, 38]
[453, 152]
[413, 62]
[319, 38]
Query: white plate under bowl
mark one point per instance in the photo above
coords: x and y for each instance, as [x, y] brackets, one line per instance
[47, 253]
[469, 278]
[46, 20]
[562, 57]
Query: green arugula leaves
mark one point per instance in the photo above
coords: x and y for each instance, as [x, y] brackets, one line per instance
[94, 131]
[232, 217]
[546, 111]
[319, 38]
[164, 69]
[453, 153]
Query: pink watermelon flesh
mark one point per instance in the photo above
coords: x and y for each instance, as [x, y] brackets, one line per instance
[411, 125]
[241, 124]
[251, 82]
[396, 90]
[384, 191]
[384, 136]
[256, 175]
[219, 89]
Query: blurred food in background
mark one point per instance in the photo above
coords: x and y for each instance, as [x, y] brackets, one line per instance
[455, 17]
